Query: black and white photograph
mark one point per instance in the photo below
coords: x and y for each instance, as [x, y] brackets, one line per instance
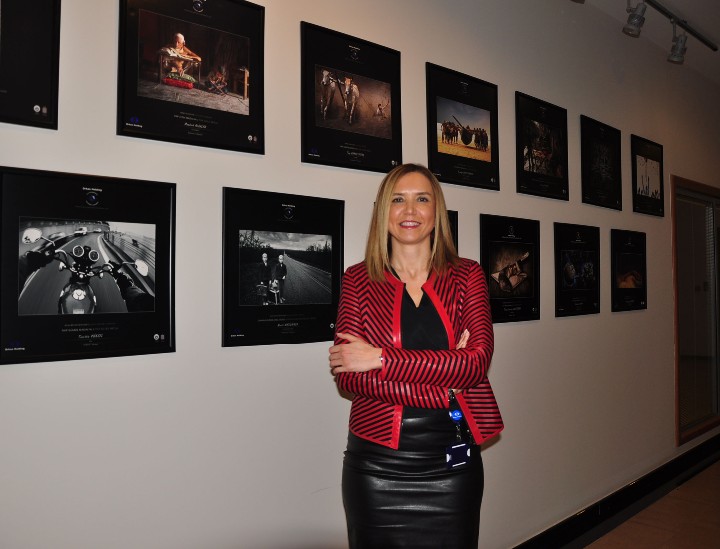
[29, 61]
[600, 150]
[350, 96]
[279, 268]
[97, 262]
[87, 269]
[541, 148]
[282, 264]
[577, 269]
[192, 73]
[510, 257]
[462, 128]
[647, 176]
[629, 270]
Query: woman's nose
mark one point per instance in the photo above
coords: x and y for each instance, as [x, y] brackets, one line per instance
[409, 206]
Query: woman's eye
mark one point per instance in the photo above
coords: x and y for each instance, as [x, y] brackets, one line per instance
[423, 199]
[397, 199]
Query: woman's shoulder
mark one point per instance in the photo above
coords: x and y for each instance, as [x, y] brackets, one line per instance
[358, 270]
[466, 266]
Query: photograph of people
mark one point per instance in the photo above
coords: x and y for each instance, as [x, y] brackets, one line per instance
[214, 74]
[284, 268]
[413, 346]
[265, 275]
[182, 56]
[463, 130]
[279, 276]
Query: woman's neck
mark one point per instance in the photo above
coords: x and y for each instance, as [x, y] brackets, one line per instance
[411, 265]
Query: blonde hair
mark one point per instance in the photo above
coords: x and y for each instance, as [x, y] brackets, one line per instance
[378, 249]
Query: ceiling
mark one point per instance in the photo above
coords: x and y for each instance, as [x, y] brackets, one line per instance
[702, 15]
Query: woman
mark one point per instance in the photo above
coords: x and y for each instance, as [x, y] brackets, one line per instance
[414, 341]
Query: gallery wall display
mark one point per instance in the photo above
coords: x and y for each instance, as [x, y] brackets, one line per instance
[629, 270]
[646, 159]
[29, 55]
[87, 267]
[510, 257]
[577, 269]
[350, 95]
[462, 128]
[282, 264]
[600, 164]
[541, 148]
[192, 72]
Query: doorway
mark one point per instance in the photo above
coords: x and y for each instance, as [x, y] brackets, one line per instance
[696, 218]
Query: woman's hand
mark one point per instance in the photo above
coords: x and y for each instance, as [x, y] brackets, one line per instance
[354, 356]
[463, 340]
[461, 345]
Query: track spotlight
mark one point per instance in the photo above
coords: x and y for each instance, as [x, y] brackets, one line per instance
[635, 19]
[677, 51]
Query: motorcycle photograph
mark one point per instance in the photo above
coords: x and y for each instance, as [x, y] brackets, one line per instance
[96, 283]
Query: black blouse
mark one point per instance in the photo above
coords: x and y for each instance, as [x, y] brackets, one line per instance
[421, 329]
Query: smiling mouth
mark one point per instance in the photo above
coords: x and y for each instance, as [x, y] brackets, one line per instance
[409, 224]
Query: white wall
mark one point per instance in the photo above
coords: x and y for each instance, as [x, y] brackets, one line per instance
[217, 448]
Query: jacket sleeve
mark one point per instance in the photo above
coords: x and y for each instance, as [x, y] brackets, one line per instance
[369, 384]
[459, 369]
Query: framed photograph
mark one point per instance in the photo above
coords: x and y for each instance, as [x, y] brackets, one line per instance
[462, 126]
[600, 164]
[192, 72]
[629, 270]
[647, 176]
[453, 218]
[29, 55]
[87, 268]
[577, 269]
[350, 95]
[282, 265]
[510, 256]
[541, 148]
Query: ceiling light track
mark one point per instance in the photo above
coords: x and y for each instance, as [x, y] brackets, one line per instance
[682, 24]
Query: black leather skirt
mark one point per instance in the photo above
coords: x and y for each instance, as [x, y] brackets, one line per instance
[408, 497]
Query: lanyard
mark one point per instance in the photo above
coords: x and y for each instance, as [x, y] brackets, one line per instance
[458, 418]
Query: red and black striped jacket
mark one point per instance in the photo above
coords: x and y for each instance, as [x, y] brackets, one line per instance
[371, 311]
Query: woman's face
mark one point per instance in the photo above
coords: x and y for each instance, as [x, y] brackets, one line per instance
[412, 210]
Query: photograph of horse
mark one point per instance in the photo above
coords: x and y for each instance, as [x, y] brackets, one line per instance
[352, 103]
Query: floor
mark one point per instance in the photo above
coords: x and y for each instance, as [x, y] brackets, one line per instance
[686, 518]
[230, 102]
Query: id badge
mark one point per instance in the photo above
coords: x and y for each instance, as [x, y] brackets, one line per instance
[458, 454]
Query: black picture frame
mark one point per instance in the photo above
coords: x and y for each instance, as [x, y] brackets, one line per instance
[55, 229]
[629, 270]
[157, 98]
[462, 128]
[308, 233]
[600, 160]
[510, 257]
[367, 136]
[646, 158]
[541, 148]
[29, 62]
[453, 219]
[577, 269]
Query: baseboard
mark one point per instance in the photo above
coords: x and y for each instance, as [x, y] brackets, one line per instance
[596, 520]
